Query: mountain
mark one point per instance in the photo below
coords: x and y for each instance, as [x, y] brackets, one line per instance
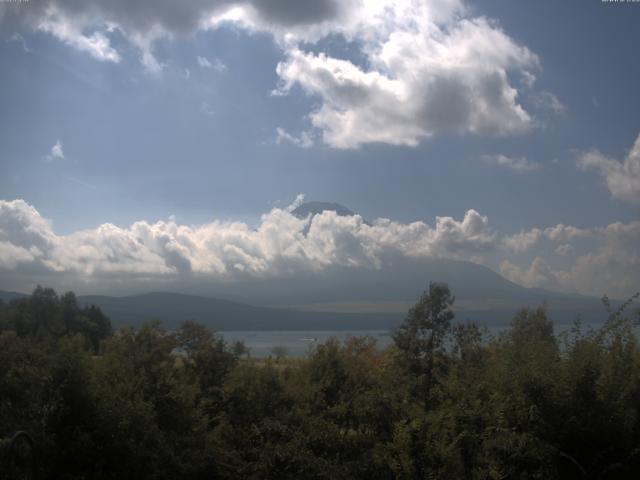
[223, 315]
[481, 294]
[313, 208]
[6, 297]
[345, 299]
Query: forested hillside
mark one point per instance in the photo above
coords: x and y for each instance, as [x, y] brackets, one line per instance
[442, 402]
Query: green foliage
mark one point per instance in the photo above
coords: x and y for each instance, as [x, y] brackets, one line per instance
[443, 402]
[421, 340]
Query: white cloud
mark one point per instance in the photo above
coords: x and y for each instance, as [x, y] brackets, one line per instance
[284, 245]
[623, 178]
[611, 266]
[97, 44]
[428, 67]
[550, 101]
[217, 65]
[303, 141]
[299, 200]
[423, 79]
[11, 256]
[204, 62]
[539, 274]
[17, 38]
[564, 233]
[56, 152]
[564, 249]
[528, 79]
[149, 20]
[22, 227]
[523, 241]
[517, 164]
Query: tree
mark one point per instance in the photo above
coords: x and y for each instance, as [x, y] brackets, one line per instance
[279, 351]
[239, 349]
[207, 359]
[421, 338]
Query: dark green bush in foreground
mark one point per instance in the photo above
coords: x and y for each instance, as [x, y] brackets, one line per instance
[443, 402]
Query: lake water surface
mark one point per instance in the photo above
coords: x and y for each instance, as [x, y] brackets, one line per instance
[300, 343]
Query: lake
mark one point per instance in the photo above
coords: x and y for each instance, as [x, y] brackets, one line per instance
[298, 343]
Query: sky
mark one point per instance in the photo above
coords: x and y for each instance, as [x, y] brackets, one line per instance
[155, 139]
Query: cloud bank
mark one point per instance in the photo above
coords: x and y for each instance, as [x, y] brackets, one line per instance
[284, 245]
[425, 67]
[610, 264]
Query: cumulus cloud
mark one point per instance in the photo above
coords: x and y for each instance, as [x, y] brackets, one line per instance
[565, 233]
[56, 152]
[523, 241]
[622, 177]
[610, 267]
[428, 67]
[517, 164]
[282, 243]
[539, 274]
[564, 249]
[422, 79]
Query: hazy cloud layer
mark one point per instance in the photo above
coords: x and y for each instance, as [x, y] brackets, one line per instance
[428, 67]
[283, 244]
[622, 177]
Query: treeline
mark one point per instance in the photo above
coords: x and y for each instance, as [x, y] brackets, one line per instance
[443, 402]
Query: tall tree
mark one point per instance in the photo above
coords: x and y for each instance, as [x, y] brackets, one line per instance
[421, 338]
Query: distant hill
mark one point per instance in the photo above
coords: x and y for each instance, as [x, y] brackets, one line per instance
[222, 315]
[494, 305]
[8, 296]
[481, 294]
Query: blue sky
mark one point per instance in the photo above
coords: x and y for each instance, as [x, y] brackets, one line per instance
[525, 112]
